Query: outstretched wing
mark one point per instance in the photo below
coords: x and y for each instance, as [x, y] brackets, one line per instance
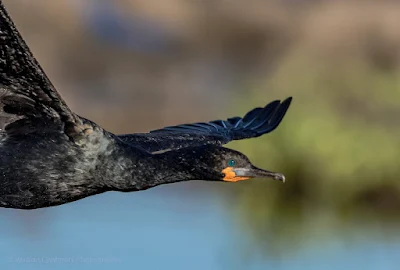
[255, 123]
[28, 100]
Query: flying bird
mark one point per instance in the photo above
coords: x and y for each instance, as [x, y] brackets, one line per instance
[50, 156]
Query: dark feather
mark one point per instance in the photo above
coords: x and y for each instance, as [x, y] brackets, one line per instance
[255, 123]
[26, 94]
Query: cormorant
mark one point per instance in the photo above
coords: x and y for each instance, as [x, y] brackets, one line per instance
[51, 156]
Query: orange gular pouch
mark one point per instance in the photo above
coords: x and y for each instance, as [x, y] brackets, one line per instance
[230, 175]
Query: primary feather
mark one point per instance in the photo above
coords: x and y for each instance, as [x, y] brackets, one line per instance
[255, 123]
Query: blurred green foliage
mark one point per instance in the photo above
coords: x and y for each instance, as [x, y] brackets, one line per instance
[338, 147]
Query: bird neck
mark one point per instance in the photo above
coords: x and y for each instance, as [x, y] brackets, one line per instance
[133, 169]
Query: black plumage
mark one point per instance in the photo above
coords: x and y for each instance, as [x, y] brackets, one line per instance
[255, 123]
[50, 156]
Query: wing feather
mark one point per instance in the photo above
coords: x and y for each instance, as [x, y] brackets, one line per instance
[28, 100]
[255, 123]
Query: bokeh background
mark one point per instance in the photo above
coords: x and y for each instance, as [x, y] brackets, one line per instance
[136, 65]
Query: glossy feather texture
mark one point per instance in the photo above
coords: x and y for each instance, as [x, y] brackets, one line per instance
[255, 123]
[28, 100]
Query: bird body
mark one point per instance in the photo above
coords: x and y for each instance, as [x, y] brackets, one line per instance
[51, 156]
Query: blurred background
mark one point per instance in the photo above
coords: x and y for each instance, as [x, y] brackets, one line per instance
[136, 65]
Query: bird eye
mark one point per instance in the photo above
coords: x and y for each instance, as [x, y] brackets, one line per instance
[231, 163]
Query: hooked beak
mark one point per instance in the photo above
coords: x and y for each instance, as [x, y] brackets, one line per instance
[237, 174]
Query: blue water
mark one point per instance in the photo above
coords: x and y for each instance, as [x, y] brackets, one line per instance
[163, 228]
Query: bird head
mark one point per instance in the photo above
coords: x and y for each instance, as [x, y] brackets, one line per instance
[219, 163]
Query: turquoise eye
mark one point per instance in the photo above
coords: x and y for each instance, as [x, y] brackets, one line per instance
[231, 163]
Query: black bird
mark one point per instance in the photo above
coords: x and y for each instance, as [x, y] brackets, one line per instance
[51, 156]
